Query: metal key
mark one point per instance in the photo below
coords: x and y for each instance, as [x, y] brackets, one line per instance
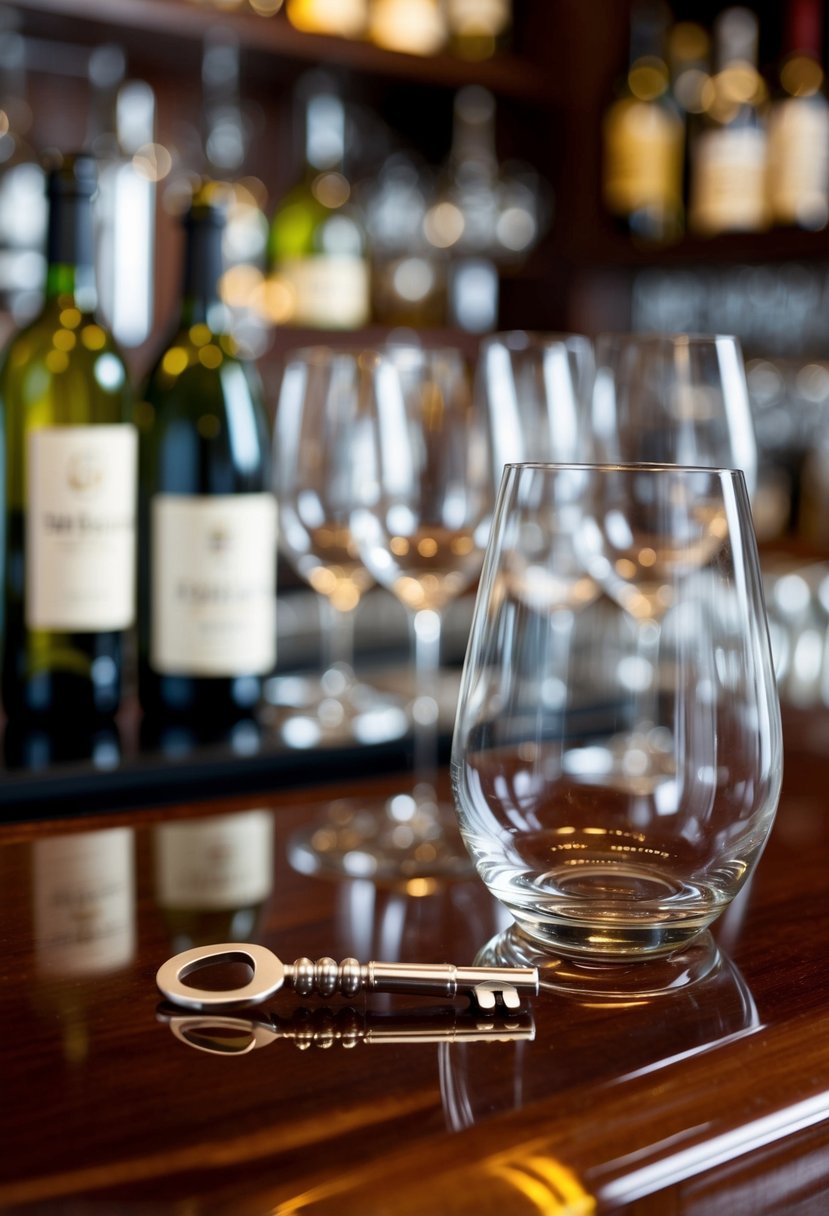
[486, 986]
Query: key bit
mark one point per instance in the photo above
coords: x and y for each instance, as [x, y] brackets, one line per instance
[487, 987]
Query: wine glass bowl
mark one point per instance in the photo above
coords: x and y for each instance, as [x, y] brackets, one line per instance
[672, 398]
[420, 519]
[534, 390]
[318, 461]
[603, 846]
[421, 509]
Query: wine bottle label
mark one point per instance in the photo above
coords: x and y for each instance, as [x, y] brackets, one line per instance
[213, 584]
[327, 292]
[798, 172]
[84, 902]
[729, 186]
[643, 157]
[222, 862]
[80, 527]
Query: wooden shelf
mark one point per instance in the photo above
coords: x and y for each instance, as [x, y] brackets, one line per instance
[158, 28]
[604, 249]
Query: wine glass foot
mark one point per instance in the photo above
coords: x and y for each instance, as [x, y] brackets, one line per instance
[307, 712]
[396, 840]
[622, 978]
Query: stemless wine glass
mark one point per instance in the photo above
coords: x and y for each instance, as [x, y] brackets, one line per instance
[598, 853]
[673, 398]
[420, 527]
[317, 464]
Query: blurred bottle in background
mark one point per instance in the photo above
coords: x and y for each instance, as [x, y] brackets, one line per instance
[22, 188]
[408, 273]
[478, 29]
[227, 129]
[464, 216]
[798, 153]
[485, 214]
[415, 27]
[689, 63]
[122, 123]
[317, 242]
[643, 135]
[728, 160]
[346, 18]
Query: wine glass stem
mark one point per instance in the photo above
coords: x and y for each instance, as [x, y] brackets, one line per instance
[426, 625]
[648, 636]
[336, 638]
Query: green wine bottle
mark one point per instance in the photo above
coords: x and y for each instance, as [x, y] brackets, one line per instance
[317, 245]
[70, 474]
[207, 514]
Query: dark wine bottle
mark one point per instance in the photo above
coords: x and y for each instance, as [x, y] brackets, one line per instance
[207, 514]
[70, 473]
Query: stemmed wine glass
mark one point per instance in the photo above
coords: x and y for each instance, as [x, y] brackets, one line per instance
[673, 399]
[666, 398]
[316, 452]
[423, 507]
[534, 390]
[597, 868]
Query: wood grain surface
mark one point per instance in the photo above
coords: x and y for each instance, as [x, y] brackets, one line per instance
[711, 1099]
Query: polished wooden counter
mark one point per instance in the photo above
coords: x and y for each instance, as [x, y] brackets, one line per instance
[711, 1099]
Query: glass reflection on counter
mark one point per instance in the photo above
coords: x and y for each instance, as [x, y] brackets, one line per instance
[717, 1009]
[214, 876]
[393, 922]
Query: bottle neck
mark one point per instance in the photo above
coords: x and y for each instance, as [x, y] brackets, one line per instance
[473, 133]
[804, 29]
[70, 249]
[736, 38]
[203, 268]
[324, 132]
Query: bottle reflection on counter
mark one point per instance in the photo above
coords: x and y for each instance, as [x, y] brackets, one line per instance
[83, 913]
[213, 876]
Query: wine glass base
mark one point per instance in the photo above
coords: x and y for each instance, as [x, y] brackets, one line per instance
[394, 840]
[640, 977]
[303, 715]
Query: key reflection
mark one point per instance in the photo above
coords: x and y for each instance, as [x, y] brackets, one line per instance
[224, 1034]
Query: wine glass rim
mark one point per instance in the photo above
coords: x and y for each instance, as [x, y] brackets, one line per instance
[656, 337]
[324, 352]
[632, 466]
[522, 339]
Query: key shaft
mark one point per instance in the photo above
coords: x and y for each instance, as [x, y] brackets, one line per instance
[485, 986]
